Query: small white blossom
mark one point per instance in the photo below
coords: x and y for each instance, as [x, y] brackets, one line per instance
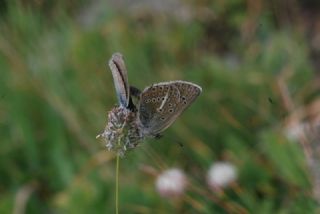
[221, 174]
[171, 183]
[296, 131]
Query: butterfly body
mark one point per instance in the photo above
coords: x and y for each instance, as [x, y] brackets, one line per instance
[158, 107]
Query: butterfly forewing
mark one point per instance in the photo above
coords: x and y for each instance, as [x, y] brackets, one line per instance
[120, 78]
[162, 103]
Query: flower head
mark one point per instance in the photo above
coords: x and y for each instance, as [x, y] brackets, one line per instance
[221, 174]
[171, 183]
[121, 132]
[295, 131]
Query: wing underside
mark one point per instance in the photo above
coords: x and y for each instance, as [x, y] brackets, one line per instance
[161, 104]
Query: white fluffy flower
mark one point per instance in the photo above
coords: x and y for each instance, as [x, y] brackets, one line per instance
[221, 174]
[295, 131]
[171, 183]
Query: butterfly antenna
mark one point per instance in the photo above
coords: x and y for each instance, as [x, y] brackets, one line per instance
[179, 143]
[159, 136]
[270, 100]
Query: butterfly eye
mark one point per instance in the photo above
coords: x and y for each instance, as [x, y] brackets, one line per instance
[158, 99]
[153, 100]
[170, 105]
[162, 98]
[171, 110]
[160, 110]
[147, 101]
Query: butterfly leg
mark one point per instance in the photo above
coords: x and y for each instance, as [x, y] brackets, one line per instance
[158, 136]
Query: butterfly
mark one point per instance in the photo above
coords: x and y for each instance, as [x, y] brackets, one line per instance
[157, 107]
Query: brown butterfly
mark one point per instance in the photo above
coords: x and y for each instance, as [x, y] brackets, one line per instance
[158, 106]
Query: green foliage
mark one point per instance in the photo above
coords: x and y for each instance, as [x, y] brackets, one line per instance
[56, 89]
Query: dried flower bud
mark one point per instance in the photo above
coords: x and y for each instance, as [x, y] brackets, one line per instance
[121, 132]
[221, 174]
[171, 183]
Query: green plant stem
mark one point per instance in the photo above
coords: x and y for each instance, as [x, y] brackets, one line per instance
[117, 185]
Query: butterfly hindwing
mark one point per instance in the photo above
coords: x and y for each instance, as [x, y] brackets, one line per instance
[160, 104]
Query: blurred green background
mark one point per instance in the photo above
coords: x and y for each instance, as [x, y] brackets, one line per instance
[257, 62]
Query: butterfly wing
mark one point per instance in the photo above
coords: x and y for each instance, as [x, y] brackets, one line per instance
[120, 78]
[162, 103]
